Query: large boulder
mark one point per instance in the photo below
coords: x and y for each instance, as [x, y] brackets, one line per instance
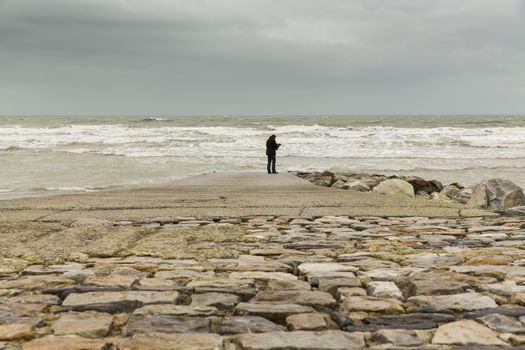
[395, 187]
[325, 179]
[340, 184]
[358, 185]
[497, 194]
[450, 191]
[421, 184]
[464, 195]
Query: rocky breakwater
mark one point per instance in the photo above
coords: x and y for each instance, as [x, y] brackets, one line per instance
[269, 283]
[494, 194]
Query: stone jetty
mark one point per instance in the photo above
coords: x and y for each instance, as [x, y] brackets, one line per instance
[258, 282]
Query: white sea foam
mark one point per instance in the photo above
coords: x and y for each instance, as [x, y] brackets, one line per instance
[81, 156]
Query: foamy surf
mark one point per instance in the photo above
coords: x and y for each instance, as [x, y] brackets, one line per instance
[78, 154]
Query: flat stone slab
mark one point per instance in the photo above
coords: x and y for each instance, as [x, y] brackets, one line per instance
[221, 301]
[176, 310]
[247, 324]
[372, 304]
[68, 342]
[398, 337]
[87, 325]
[436, 286]
[262, 275]
[409, 321]
[307, 268]
[306, 322]
[16, 331]
[36, 282]
[114, 302]
[163, 341]
[300, 297]
[301, 340]
[273, 312]
[502, 324]
[144, 324]
[455, 302]
[386, 289]
[466, 332]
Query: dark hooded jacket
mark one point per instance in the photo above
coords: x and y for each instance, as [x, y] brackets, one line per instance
[271, 146]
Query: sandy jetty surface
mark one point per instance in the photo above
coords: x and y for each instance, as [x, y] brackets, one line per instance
[246, 260]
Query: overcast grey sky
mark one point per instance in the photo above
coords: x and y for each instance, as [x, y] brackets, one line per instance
[257, 57]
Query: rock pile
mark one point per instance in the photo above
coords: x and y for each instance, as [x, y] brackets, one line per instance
[494, 194]
[304, 283]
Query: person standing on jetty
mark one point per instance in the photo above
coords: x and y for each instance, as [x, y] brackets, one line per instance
[271, 151]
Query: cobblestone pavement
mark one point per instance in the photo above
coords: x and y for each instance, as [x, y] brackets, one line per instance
[279, 283]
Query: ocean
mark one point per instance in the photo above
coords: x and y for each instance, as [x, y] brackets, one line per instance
[43, 155]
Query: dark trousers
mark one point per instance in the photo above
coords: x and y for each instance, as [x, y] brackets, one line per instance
[271, 164]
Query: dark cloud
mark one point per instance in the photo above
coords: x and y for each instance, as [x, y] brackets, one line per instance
[261, 57]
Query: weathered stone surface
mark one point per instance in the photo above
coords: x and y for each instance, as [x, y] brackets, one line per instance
[53, 269]
[371, 264]
[345, 292]
[274, 285]
[384, 289]
[466, 332]
[307, 268]
[497, 194]
[114, 302]
[180, 275]
[69, 342]
[262, 275]
[455, 302]
[398, 337]
[372, 304]
[36, 282]
[306, 322]
[450, 191]
[496, 271]
[502, 324]
[316, 278]
[301, 340]
[395, 187]
[16, 331]
[273, 312]
[247, 324]
[433, 285]
[331, 285]
[388, 274]
[155, 283]
[420, 184]
[358, 185]
[87, 325]
[408, 321]
[295, 297]
[163, 341]
[432, 260]
[512, 311]
[144, 324]
[221, 301]
[44, 299]
[177, 310]
[227, 283]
